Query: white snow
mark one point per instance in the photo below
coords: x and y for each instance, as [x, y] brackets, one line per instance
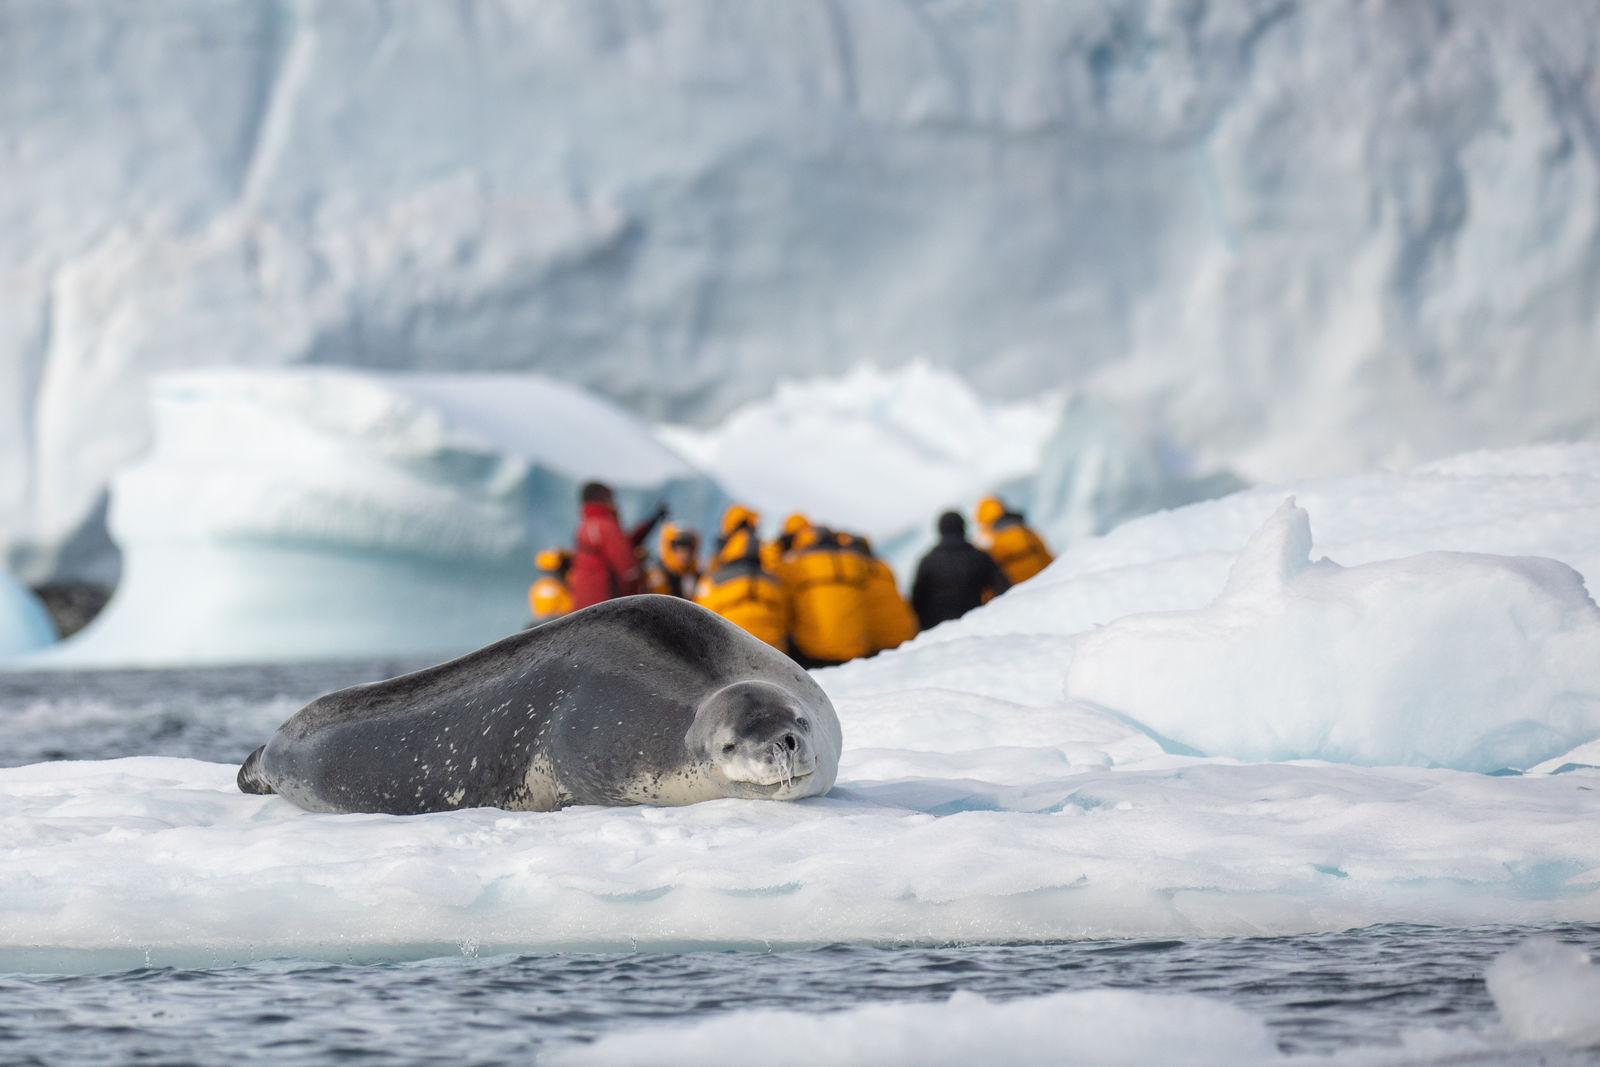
[24, 623]
[975, 802]
[320, 514]
[1300, 238]
[1447, 659]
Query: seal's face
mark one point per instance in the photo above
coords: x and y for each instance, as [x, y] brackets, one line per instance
[757, 741]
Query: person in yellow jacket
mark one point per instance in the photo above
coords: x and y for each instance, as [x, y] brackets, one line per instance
[890, 620]
[828, 599]
[676, 571]
[548, 596]
[1019, 551]
[735, 535]
[747, 594]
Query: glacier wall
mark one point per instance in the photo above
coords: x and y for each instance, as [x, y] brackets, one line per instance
[1298, 236]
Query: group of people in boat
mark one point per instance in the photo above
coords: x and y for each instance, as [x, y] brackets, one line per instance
[822, 595]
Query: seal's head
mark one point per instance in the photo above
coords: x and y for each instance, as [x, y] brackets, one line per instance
[758, 740]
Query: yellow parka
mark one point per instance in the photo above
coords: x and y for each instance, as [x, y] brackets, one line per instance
[750, 597]
[676, 571]
[1019, 551]
[548, 596]
[890, 620]
[828, 599]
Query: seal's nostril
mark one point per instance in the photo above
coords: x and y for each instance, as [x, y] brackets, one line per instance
[790, 743]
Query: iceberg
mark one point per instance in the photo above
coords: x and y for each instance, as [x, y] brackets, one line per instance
[1154, 204]
[874, 452]
[1449, 659]
[326, 514]
[24, 623]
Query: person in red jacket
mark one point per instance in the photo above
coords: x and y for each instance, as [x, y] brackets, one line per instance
[605, 561]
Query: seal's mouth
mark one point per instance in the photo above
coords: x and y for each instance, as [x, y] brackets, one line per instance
[782, 785]
[773, 776]
[777, 767]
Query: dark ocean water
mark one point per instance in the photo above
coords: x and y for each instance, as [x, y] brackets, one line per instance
[1328, 993]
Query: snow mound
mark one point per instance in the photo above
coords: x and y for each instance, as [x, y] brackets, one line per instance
[1150, 201]
[1547, 991]
[874, 451]
[24, 623]
[1096, 1027]
[1448, 659]
[320, 514]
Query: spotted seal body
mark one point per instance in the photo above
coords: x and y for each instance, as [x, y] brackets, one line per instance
[642, 700]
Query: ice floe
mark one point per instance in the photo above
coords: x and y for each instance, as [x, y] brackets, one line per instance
[975, 802]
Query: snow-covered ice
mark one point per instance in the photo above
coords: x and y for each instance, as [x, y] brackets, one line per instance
[24, 623]
[1301, 237]
[149, 859]
[1447, 659]
[975, 802]
[323, 514]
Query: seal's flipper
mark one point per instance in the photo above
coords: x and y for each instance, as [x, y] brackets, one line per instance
[250, 777]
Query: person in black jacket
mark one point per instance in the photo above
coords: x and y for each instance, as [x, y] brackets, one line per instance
[955, 576]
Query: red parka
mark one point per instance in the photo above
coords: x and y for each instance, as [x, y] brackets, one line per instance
[604, 563]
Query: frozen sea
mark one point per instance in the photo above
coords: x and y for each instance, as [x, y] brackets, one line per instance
[1366, 993]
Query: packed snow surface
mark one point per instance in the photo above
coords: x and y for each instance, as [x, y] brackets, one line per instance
[1451, 659]
[1301, 236]
[24, 623]
[320, 514]
[975, 801]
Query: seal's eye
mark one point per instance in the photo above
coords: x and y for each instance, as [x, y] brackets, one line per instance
[801, 723]
[727, 750]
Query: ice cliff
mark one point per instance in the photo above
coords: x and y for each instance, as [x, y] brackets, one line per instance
[1298, 236]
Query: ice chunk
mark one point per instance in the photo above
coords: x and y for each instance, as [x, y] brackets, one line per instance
[133, 861]
[1583, 759]
[24, 623]
[1111, 1027]
[1547, 991]
[1448, 659]
[321, 514]
[1098, 469]
[876, 452]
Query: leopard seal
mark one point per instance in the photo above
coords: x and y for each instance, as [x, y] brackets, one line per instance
[639, 700]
